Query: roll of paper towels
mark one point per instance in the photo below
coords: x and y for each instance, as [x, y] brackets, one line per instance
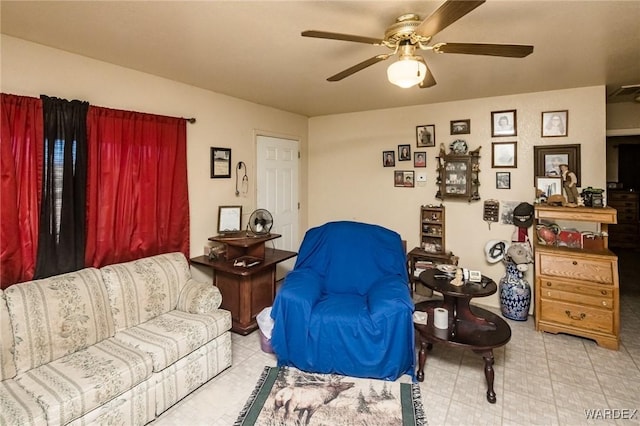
[441, 318]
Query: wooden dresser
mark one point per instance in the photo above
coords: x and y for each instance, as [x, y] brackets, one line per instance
[576, 290]
[627, 232]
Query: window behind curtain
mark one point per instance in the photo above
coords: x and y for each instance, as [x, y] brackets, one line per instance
[137, 186]
[61, 237]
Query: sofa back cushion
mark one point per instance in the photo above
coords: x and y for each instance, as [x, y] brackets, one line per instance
[142, 289]
[7, 366]
[57, 316]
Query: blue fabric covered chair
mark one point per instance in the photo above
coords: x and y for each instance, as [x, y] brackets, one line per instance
[346, 306]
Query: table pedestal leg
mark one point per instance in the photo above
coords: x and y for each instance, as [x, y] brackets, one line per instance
[488, 374]
[422, 358]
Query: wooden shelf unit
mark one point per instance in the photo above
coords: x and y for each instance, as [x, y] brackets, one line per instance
[577, 290]
[432, 229]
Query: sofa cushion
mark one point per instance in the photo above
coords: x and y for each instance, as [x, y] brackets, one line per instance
[57, 316]
[199, 298]
[145, 288]
[7, 366]
[17, 407]
[72, 386]
[173, 335]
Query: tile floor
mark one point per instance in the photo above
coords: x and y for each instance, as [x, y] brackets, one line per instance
[540, 378]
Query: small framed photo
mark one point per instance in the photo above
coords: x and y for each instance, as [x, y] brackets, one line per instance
[504, 123]
[419, 159]
[403, 178]
[503, 180]
[388, 158]
[548, 186]
[504, 155]
[460, 127]
[220, 163]
[404, 152]
[426, 135]
[555, 123]
[547, 160]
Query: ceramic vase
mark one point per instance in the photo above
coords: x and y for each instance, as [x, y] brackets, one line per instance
[515, 294]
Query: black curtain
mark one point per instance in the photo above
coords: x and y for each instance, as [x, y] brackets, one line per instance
[61, 239]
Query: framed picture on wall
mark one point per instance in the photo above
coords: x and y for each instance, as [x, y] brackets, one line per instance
[555, 123]
[504, 155]
[426, 135]
[388, 158]
[460, 127]
[503, 180]
[404, 152]
[220, 163]
[504, 123]
[547, 160]
[419, 159]
[403, 178]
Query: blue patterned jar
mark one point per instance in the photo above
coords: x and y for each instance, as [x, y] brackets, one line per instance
[515, 294]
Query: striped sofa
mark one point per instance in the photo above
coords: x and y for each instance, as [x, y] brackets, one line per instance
[116, 345]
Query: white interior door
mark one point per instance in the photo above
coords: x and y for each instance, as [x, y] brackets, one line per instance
[277, 191]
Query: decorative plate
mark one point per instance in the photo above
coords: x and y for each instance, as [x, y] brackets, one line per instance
[459, 146]
[447, 269]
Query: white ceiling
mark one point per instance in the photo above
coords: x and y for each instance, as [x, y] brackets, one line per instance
[253, 49]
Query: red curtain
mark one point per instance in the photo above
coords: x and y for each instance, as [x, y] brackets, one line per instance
[21, 160]
[137, 198]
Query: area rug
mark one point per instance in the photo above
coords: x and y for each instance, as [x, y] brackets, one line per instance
[287, 396]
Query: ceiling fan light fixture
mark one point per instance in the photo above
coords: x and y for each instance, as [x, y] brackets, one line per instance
[407, 71]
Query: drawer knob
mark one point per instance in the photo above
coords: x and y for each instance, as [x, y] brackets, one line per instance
[548, 293]
[604, 303]
[603, 292]
[575, 262]
[576, 317]
[548, 284]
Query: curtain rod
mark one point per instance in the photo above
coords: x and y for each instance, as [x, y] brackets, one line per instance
[190, 120]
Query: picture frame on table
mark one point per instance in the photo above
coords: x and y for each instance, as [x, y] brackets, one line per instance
[461, 127]
[220, 163]
[388, 158]
[503, 180]
[555, 124]
[547, 160]
[504, 155]
[504, 123]
[426, 135]
[548, 185]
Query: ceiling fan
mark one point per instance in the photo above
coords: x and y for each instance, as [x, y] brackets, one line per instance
[409, 33]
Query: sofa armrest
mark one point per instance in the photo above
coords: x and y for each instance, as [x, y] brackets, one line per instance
[199, 298]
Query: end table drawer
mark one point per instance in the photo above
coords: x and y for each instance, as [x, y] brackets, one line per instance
[578, 268]
[585, 317]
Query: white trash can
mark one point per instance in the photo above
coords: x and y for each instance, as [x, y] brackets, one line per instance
[265, 326]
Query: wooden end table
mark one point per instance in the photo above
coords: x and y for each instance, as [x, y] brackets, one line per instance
[245, 290]
[470, 327]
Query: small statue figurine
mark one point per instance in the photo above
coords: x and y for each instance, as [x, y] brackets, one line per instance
[569, 181]
[457, 279]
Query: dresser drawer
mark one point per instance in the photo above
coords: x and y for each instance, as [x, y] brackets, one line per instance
[618, 197]
[584, 317]
[599, 270]
[593, 295]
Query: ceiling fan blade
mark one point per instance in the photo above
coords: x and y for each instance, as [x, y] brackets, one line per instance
[358, 67]
[506, 50]
[344, 37]
[429, 80]
[448, 13]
